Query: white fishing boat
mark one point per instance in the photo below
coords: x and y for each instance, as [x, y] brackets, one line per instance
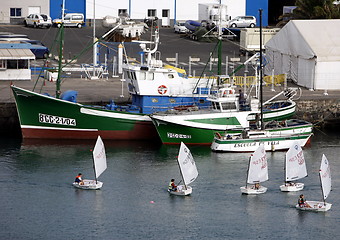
[187, 169]
[326, 186]
[99, 165]
[257, 172]
[295, 168]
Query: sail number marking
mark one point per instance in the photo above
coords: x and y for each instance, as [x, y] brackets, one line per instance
[44, 118]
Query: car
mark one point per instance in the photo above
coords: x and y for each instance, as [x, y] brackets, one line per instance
[179, 27]
[38, 20]
[38, 48]
[243, 21]
[70, 20]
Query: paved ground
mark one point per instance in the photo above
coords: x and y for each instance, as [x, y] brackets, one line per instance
[104, 90]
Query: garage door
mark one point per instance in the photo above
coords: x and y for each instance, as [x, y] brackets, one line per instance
[32, 10]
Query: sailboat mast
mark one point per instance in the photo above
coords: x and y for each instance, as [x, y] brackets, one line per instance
[261, 73]
[323, 195]
[180, 170]
[248, 171]
[94, 168]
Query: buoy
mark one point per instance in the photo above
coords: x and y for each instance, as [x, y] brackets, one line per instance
[152, 202]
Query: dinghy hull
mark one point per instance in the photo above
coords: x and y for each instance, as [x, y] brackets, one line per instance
[252, 191]
[89, 185]
[292, 188]
[182, 191]
[315, 206]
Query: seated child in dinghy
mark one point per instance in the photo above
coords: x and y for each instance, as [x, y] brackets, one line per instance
[79, 180]
[302, 202]
[172, 185]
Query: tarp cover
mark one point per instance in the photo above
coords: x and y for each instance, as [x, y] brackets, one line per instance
[300, 46]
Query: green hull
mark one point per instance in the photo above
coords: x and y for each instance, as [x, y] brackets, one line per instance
[171, 133]
[47, 117]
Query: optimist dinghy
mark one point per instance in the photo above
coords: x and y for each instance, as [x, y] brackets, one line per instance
[188, 170]
[99, 165]
[295, 168]
[257, 172]
[326, 186]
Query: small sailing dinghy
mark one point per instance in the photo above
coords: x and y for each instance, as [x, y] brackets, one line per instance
[187, 169]
[257, 172]
[295, 168]
[326, 186]
[99, 165]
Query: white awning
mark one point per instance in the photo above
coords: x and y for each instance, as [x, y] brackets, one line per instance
[15, 54]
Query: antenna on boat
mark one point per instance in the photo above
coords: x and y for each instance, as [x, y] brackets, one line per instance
[261, 73]
[95, 45]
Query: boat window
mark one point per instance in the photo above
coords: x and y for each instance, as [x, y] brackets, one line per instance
[2, 64]
[17, 64]
[228, 106]
[133, 75]
[151, 76]
[142, 75]
[171, 76]
[216, 106]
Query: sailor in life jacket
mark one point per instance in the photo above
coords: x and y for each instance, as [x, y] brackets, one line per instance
[172, 185]
[78, 179]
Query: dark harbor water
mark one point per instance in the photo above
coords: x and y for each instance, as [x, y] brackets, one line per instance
[39, 202]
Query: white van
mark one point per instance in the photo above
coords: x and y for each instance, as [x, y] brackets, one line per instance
[70, 20]
[243, 21]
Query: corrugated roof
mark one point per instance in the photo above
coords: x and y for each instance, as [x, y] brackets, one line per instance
[12, 54]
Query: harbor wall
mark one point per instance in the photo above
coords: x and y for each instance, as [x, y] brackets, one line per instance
[322, 113]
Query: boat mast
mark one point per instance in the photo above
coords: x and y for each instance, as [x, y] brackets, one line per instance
[261, 73]
[219, 57]
[94, 167]
[61, 49]
[323, 195]
[248, 171]
[180, 170]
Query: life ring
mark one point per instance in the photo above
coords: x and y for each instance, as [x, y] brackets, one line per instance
[162, 89]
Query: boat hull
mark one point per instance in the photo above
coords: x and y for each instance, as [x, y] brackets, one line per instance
[182, 191]
[274, 143]
[292, 188]
[46, 117]
[315, 206]
[252, 191]
[194, 131]
[89, 185]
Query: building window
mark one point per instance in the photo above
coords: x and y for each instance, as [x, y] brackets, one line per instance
[15, 12]
[165, 13]
[17, 64]
[151, 12]
[122, 11]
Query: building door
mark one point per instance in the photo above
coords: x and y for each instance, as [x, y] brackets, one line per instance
[166, 17]
[32, 10]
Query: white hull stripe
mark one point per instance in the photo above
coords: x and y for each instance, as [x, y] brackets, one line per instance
[57, 128]
[116, 115]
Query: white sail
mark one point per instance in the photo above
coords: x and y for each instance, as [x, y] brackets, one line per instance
[325, 177]
[99, 157]
[295, 163]
[258, 167]
[187, 164]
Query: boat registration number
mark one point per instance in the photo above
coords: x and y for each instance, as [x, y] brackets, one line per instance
[44, 118]
[177, 135]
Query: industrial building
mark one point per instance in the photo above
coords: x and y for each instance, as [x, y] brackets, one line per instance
[14, 11]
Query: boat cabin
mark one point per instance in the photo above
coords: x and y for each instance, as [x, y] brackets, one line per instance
[15, 64]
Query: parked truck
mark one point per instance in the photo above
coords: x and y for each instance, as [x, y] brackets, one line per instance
[250, 39]
[211, 13]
